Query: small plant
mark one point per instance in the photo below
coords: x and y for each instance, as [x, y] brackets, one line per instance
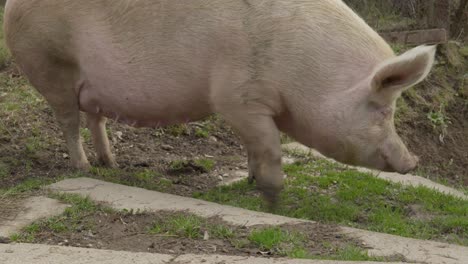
[33, 145]
[221, 231]
[439, 120]
[277, 240]
[106, 173]
[177, 165]
[177, 130]
[86, 134]
[206, 164]
[188, 226]
[146, 175]
[201, 132]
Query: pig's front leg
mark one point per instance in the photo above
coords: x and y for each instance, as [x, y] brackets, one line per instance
[261, 138]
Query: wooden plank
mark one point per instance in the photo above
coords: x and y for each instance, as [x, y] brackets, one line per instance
[417, 37]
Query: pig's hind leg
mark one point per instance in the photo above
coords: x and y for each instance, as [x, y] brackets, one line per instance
[55, 80]
[97, 125]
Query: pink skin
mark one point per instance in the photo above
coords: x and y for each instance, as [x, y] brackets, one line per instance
[313, 69]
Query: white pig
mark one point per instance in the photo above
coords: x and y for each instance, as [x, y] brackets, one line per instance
[310, 68]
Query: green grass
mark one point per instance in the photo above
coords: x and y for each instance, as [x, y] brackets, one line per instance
[85, 134]
[72, 216]
[325, 192]
[27, 186]
[353, 253]
[188, 226]
[275, 239]
[202, 164]
[177, 130]
[201, 132]
[206, 164]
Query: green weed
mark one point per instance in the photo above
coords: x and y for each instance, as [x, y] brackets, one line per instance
[188, 226]
[206, 164]
[277, 240]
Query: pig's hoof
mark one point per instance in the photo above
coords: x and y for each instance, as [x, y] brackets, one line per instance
[109, 163]
[82, 166]
[251, 180]
[271, 199]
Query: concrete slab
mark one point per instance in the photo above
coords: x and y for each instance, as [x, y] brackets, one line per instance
[125, 197]
[32, 209]
[45, 254]
[422, 251]
[407, 179]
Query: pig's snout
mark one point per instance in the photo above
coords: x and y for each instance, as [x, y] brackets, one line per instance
[412, 164]
[405, 166]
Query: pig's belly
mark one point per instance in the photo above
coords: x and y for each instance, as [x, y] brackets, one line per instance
[144, 102]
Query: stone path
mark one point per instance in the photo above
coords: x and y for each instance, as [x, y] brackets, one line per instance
[32, 208]
[45, 254]
[125, 197]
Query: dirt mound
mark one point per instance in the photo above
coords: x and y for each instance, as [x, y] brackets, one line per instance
[433, 117]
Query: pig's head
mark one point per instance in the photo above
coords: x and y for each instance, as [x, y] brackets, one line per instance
[365, 120]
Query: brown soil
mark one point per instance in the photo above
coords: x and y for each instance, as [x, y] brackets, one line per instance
[443, 153]
[441, 160]
[129, 232]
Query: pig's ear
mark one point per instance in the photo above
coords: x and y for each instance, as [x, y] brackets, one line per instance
[398, 74]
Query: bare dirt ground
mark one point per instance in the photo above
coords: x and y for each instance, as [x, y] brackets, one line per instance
[130, 232]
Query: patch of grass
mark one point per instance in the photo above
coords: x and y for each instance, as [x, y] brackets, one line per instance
[33, 145]
[177, 130]
[182, 225]
[201, 132]
[147, 175]
[221, 231]
[190, 226]
[322, 191]
[275, 239]
[26, 186]
[177, 165]
[353, 253]
[206, 164]
[85, 134]
[105, 173]
[70, 220]
[285, 139]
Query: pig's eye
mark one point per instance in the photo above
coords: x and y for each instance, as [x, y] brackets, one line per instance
[383, 111]
[386, 111]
